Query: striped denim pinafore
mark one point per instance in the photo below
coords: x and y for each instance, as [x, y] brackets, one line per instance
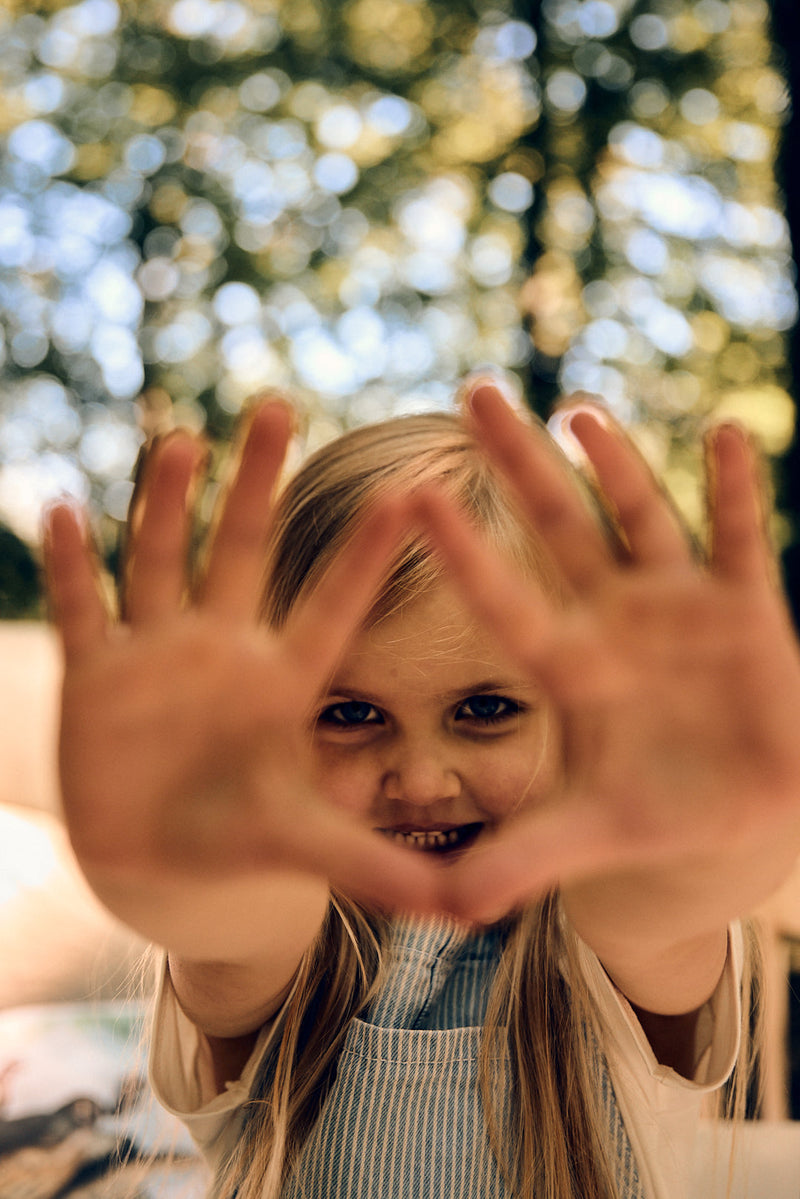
[404, 1119]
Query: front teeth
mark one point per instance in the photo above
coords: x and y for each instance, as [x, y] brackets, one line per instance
[427, 840]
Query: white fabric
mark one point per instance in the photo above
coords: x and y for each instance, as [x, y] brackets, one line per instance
[766, 1161]
[661, 1109]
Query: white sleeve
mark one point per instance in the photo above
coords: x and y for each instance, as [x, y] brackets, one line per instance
[182, 1079]
[661, 1109]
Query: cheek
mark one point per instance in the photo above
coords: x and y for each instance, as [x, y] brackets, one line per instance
[504, 787]
[346, 781]
[522, 774]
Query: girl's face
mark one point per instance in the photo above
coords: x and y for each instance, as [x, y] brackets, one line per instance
[430, 732]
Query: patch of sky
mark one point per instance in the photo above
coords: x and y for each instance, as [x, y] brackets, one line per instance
[322, 363]
[255, 189]
[646, 251]
[237, 304]
[389, 115]
[17, 240]
[339, 127]
[565, 90]
[754, 225]
[92, 18]
[44, 92]
[362, 333]
[112, 291]
[604, 338]
[749, 293]
[336, 173]
[70, 323]
[183, 337]
[27, 486]
[664, 326]
[39, 144]
[511, 191]
[509, 40]
[145, 153]
[649, 32]
[262, 91]
[108, 448]
[491, 260]
[116, 350]
[580, 372]
[687, 206]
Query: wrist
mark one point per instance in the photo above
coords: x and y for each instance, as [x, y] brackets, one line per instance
[227, 1001]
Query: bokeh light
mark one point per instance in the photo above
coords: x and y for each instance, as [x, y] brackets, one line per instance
[664, 279]
[362, 201]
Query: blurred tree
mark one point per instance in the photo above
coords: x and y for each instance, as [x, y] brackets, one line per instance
[205, 197]
[661, 274]
[20, 592]
[786, 23]
[362, 200]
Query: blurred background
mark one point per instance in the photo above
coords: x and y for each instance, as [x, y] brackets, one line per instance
[360, 201]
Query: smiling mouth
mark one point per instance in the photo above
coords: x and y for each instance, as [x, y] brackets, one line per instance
[436, 841]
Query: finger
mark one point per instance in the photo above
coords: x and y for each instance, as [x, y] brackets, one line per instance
[740, 547]
[308, 837]
[548, 491]
[368, 867]
[234, 575]
[319, 628]
[155, 580]
[532, 856]
[564, 649]
[646, 516]
[303, 836]
[514, 608]
[72, 582]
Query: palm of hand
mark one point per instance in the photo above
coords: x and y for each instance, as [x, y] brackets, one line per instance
[183, 741]
[678, 685]
[677, 717]
[159, 733]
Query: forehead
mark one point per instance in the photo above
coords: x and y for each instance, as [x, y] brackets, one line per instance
[432, 634]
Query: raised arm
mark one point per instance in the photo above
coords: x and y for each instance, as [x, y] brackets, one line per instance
[678, 684]
[183, 737]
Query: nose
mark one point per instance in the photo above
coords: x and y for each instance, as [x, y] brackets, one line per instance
[420, 774]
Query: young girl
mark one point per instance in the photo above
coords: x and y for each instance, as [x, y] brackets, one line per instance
[568, 756]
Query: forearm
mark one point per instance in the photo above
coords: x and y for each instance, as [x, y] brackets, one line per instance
[233, 943]
[657, 942]
[230, 1002]
[659, 952]
[226, 919]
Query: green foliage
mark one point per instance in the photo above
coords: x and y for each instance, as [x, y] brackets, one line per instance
[362, 200]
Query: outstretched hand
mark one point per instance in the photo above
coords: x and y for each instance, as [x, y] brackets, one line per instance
[183, 742]
[183, 726]
[678, 682]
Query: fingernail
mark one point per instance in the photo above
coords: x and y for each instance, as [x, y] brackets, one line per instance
[559, 426]
[486, 387]
[729, 432]
[64, 501]
[733, 429]
[272, 399]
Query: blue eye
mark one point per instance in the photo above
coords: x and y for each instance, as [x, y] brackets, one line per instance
[487, 709]
[349, 713]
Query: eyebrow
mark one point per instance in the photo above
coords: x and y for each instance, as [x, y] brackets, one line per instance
[482, 687]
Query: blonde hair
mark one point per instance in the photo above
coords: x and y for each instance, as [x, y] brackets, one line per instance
[540, 1016]
[323, 502]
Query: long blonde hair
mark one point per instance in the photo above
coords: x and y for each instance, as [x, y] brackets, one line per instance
[540, 1016]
